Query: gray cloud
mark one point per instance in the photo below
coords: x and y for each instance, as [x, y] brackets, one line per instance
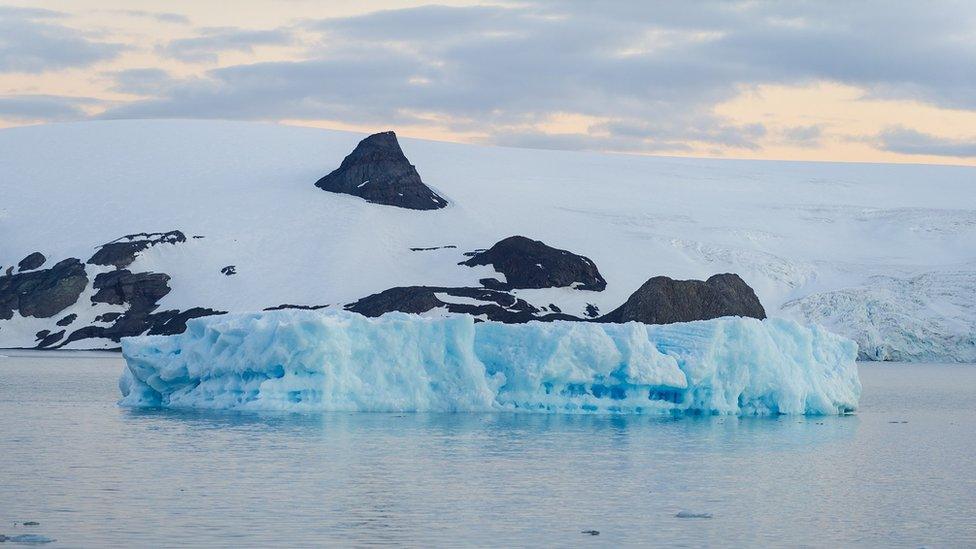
[909, 141]
[653, 70]
[212, 41]
[162, 17]
[32, 41]
[30, 108]
[141, 81]
[803, 135]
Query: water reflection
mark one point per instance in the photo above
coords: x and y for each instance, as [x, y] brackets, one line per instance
[498, 431]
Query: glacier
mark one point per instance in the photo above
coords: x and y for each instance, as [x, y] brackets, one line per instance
[298, 360]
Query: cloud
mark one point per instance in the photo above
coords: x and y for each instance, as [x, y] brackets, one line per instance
[31, 42]
[32, 108]
[147, 81]
[803, 136]
[908, 141]
[162, 17]
[649, 74]
[214, 40]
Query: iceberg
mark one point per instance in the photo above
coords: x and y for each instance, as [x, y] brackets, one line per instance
[300, 360]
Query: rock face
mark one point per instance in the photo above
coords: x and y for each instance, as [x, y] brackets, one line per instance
[31, 262]
[122, 251]
[43, 293]
[140, 290]
[126, 303]
[46, 293]
[378, 172]
[494, 305]
[662, 300]
[137, 322]
[528, 263]
[67, 320]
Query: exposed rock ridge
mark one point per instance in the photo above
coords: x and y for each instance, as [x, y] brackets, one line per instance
[663, 300]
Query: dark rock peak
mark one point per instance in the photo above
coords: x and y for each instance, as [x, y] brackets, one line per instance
[592, 310]
[663, 300]
[43, 293]
[31, 262]
[229, 270]
[528, 263]
[123, 251]
[378, 172]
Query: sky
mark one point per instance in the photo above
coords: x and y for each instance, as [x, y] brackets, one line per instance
[828, 80]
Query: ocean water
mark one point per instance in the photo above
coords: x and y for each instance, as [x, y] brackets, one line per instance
[901, 472]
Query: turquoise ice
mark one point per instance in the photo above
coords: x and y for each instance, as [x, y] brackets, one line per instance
[318, 361]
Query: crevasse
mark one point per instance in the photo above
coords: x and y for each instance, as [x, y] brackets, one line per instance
[311, 360]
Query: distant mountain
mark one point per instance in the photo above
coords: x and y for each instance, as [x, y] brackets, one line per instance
[124, 227]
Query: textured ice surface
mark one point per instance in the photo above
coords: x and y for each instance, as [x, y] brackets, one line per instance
[311, 360]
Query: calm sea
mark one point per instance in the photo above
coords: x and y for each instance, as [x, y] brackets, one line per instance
[901, 472]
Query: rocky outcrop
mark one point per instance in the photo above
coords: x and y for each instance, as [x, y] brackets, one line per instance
[484, 303]
[45, 338]
[31, 262]
[123, 251]
[67, 320]
[528, 263]
[43, 293]
[291, 306]
[525, 264]
[138, 322]
[378, 172]
[140, 290]
[663, 300]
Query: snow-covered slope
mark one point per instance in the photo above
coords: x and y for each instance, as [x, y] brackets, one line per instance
[832, 242]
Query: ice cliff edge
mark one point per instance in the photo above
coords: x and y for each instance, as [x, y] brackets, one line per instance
[311, 360]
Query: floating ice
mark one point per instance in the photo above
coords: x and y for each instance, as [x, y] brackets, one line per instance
[312, 360]
[28, 539]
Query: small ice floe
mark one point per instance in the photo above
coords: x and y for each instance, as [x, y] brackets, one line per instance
[34, 539]
[693, 515]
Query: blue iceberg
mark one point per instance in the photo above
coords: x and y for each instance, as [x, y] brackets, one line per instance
[316, 361]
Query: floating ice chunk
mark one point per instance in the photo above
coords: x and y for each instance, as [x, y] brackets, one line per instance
[315, 360]
[693, 515]
[27, 539]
